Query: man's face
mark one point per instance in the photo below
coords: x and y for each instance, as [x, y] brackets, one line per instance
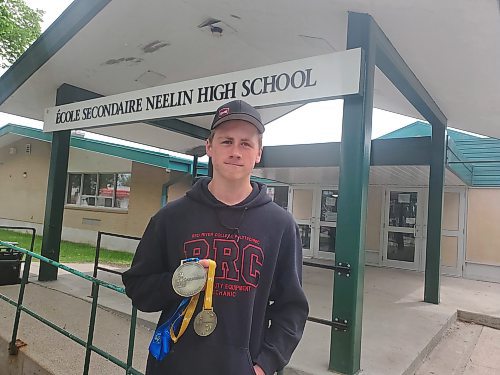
[234, 150]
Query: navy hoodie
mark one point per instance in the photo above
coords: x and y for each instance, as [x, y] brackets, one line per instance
[258, 297]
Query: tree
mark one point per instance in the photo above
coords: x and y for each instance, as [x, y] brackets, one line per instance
[19, 27]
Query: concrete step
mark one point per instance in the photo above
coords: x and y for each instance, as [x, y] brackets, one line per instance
[465, 349]
[485, 358]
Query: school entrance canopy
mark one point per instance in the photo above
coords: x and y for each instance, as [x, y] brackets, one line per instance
[436, 61]
[111, 47]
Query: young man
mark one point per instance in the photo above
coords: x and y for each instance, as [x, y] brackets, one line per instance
[257, 296]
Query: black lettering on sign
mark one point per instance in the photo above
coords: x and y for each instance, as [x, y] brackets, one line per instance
[277, 82]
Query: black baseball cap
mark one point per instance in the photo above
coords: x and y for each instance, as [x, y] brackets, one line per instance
[238, 110]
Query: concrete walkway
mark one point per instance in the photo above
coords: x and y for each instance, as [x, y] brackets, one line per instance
[399, 330]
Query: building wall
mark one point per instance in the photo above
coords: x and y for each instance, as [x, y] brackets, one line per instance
[85, 161]
[483, 228]
[373, 217]
[180, 188]
[23, 198]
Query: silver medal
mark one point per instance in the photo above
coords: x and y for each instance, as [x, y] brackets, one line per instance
[189, 279]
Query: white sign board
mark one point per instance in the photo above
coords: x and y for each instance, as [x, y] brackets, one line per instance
[321, 77]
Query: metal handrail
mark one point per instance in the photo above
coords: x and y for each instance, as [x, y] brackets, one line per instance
[88, 344]
[98, 251]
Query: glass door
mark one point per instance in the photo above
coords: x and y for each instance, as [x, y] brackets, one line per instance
[403, 228]
[326, 226]
[302, 199]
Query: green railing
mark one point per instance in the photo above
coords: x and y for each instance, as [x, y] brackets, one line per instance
[88, 343]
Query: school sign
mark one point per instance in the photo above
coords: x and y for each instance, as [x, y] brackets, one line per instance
[315, 78]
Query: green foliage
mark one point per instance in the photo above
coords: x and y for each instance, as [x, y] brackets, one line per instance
[19, 27]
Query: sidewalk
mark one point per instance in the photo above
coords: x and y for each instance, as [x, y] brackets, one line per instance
[399, 330]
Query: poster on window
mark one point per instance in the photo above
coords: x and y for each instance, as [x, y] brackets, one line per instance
[404, 198]
[270, 192]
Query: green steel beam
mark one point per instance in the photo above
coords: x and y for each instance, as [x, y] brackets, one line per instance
[434, 215]
[54, 203]
[409, 151]
[390, 62]
[400, 151]
[56, 189]
[397, 71]
[298, 156]
[345, 349]
[181, 127]
[157, 159]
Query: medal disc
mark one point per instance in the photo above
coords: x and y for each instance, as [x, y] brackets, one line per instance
[205, 322]
[189, 279]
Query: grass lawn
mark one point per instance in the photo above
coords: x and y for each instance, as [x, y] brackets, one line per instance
[71, 252]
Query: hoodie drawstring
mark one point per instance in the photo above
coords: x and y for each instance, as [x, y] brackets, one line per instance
[236, 229]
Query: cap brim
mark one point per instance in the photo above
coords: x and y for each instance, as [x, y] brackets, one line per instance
[240, 116]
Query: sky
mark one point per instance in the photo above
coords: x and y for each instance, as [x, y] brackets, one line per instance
[323, 119]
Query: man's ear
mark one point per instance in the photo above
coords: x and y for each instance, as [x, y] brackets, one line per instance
[208, 148]
[259, 156]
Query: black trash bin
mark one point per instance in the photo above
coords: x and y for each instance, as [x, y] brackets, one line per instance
[10, 266]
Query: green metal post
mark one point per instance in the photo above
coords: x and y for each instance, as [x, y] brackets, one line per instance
[13, 350]
[56, 188]
[90, 334]
[131, 339]
[54, 203]
[345, 350]
[434, 214]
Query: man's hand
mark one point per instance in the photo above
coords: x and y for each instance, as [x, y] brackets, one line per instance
[204, 262]
[258, 370]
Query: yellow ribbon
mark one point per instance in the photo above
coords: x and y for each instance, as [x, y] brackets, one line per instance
[209, 290]
[187, 314]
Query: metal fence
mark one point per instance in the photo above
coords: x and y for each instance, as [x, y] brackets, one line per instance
[86, 343]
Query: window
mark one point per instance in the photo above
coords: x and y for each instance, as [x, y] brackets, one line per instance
[329, 205]
[99, 189]
[279, 195]
[74, 189]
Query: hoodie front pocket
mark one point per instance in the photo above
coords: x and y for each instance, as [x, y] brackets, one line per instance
[201, 357]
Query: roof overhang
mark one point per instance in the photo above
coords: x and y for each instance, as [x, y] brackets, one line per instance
[110, 47]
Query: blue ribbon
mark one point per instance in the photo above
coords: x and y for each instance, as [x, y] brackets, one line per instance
[161, 342]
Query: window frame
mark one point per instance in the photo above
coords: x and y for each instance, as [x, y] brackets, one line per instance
[96, 197]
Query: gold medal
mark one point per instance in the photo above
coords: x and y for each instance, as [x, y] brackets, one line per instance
[189, 279]
[206, 320]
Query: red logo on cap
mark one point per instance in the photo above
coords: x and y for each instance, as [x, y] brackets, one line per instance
[223, 111]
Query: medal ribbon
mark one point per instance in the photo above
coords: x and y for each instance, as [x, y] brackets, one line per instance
[160, 343]
[188, 314]
[209, 290]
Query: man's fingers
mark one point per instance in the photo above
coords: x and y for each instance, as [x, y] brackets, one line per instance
[204, 262]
